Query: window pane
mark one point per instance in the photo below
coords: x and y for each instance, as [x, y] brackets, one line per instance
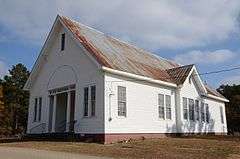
[86, 101]
[168, 107]
[185, 109]
[161, 106]
[40, 109]
[221, 113]
[191, 109]
[207, 114]
[122, 101]
[93, 100]
[121, 108]
[161, 112]
[35, 109]
[197, 116]
[62, 42]
[202, 112]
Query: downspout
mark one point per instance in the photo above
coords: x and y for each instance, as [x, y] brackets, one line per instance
[110, 102]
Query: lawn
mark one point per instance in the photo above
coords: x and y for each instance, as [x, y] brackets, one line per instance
[182, 148]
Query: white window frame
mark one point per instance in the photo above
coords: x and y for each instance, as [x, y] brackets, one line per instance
[185, 108]
[168, 108]
[93, 100]
[88, 108]
[197, 110]
[121, 99]
[37, 112]
[202, 110]
[191, 111]
[161, 105]
[207, 116]
[221, 115]
[86, 101]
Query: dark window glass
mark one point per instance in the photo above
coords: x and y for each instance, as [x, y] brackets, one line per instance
[122, 111]
[197, 115]
[35, 110]
[185, 109]
[191, 109]
[93, 100]
[168, 107]
[221, 113]
[63, 42]
[86, 101]
[202, 112]
[207, 113]
[161, 113]
[40, 109]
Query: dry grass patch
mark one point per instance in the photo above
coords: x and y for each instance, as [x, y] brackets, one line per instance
[183, 148]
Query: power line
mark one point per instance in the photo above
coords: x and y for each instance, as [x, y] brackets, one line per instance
[200, 74]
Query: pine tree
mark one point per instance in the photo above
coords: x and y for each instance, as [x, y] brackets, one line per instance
[15, 99]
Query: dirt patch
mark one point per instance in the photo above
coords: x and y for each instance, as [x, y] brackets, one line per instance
[183, 148]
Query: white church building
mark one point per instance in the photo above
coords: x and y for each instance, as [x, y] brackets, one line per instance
[93, 85]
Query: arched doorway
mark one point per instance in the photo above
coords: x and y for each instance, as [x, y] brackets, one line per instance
[61, 89]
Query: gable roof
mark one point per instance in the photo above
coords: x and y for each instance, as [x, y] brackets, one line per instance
[213, 91]
[179, 74]
[117, 55]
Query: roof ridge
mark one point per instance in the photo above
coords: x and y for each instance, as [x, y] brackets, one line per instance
[143, 50]
[182, 66]
[81, 24]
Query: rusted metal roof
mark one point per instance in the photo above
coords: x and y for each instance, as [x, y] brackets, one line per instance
[179, 74]
[213, 91]
[116, 54]
[113, 53]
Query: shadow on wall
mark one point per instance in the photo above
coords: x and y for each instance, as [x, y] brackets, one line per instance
[190, 127]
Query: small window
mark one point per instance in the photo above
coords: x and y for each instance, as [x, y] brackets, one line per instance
[40, 109]
[202, 112]
[35, 110]
[221, 113]
[168, 107]
[86, 101]
[63, 42]
[197, 115]
[190, 80]
[93, 100]
[161, 106]
[207, 113]
[122, 101]
[191, 109]
[185, 109]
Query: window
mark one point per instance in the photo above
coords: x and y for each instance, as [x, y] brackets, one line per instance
[221, 113]
[122, 101]
[185, 109]
[197, 116]
[40, 109]
[190, 80]
[86, 101]
[93, 100]
[191, 109]
[161, 106]
[35, 110]
[202, 112]
[207, 113]
[63, 42]
[168, 107]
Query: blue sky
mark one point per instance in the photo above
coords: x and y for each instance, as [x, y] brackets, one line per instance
[202, 32]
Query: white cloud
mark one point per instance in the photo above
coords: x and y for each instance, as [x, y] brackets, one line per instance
[3, 69]
[232, 80]
[205, 57]
[149, 23]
